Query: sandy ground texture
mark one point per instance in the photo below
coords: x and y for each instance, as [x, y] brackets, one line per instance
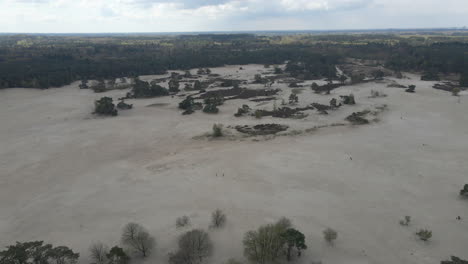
[71, 178]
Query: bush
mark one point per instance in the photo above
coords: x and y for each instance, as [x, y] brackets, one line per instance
[217, 130]
[174, 85]
[142, 89]
[124, 106]
[464, 191]
[455, 91]
[105, 106]
[194, 246]
[218, 219]
[182, 221]
[348, 99]
[98, 253]
[211, 109]
[136, 238]
[117, 256]
[330, 235]
[411, 89]
[424, 234]
[278, 70]
[406, 221]
[293, 98]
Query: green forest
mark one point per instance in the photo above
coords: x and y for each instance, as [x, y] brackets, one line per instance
[43, 61]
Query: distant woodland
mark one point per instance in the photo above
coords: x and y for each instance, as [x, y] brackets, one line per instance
[43, 61]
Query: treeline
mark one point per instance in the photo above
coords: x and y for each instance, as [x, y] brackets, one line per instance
[52, 61]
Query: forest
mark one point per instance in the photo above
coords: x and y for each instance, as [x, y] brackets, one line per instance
[43, 61]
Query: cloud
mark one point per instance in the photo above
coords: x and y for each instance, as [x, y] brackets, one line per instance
[212, 15]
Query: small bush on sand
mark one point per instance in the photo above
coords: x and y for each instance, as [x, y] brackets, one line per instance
[424, 234]
[217, 130]
[218, 219]
[105, 106]
[464, 191]
[136, 238]
[182, 221]
[455, 91]
[411, 89]
[406, 221]
[330, 235]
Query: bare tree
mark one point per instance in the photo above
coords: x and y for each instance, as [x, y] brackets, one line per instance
[138, 239]
[97, 252]
[218, 219]
[194, 246]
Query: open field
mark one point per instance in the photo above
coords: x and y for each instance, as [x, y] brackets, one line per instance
[69, 177]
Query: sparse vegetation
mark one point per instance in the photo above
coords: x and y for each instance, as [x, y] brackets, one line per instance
[406, 221]
[454, 260]
[330, 235]
[411, 89]
[424, 234]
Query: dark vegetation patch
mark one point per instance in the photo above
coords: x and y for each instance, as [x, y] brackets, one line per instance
[262, 129]
[284, 112]
[105, 106]
[454, 260]
[124, 106]
[358, 118]
[263, 99]
[238, 93]
[445, 86]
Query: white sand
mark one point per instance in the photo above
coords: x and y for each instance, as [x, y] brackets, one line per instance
[70, 178]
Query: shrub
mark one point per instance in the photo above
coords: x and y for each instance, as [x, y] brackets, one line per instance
[194, 246]
[424, 234]
[217, 130]
[278, 70]
[124, 106]
[455, 91]
[348, 99]
[173, 85]
[136, 238]
[464, 191]
[218, 219]
[105, 106]
[406, 221]
[98, 253]
[182, 221]
[330, 235]
[211, 109]
[117, 256]
[293, 98]
[411, 89]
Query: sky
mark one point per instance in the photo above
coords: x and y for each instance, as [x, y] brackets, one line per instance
[98, 16]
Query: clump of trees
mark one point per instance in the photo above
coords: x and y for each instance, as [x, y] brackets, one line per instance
[330, 235]
[98, 253]
[424, 234]
[105, 106]
[218, 219]
[142, 89]
[194, 247]
[36, 252]
[137, 239]
[293, 98]
[269, 242]
[117, 256]
[174, 85]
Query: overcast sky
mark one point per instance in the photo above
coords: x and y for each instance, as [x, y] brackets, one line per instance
[226, 15]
